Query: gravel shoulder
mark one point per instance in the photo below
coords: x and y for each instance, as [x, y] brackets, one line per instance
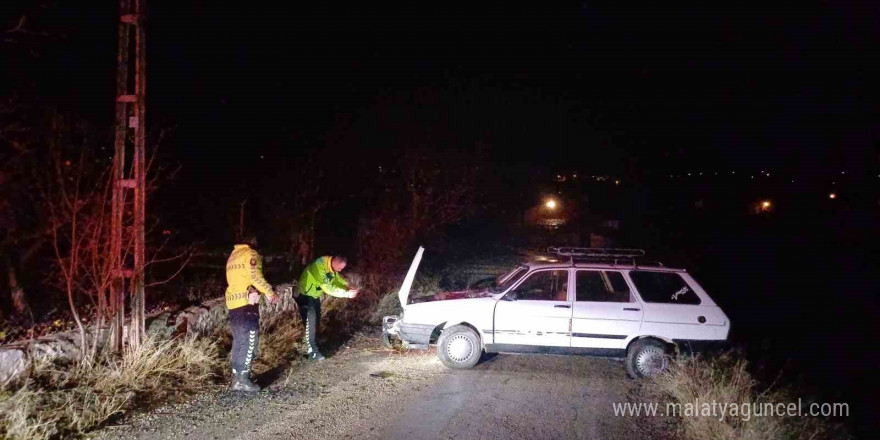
[366, 392]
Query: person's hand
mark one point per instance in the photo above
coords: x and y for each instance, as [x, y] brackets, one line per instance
[253, 298]
[352, 293]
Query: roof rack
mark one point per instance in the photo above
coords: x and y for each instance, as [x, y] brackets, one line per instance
[604, 255]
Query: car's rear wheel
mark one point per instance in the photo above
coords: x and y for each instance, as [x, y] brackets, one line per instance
[459, 347]
[647, 358]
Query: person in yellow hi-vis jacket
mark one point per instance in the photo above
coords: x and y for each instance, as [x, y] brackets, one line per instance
[320, 277]
[244, 274]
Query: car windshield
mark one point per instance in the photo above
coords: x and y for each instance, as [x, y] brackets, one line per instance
[508, 279]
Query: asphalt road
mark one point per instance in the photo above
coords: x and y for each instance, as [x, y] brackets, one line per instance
[517, 397]
[364, 392]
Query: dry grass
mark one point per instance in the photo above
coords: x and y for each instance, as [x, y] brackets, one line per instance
[56, 400]
[60, 399]
[280, 337]
[725, 379]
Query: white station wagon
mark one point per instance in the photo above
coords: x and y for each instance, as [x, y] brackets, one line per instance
[584, 301]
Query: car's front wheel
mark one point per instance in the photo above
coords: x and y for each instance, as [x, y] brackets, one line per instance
[647, 358]
[459, 347]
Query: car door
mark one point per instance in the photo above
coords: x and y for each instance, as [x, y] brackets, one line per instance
[536, 312]
[676, 307]
[605, 313]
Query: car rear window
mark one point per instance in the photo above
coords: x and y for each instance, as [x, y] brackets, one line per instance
[663, 287]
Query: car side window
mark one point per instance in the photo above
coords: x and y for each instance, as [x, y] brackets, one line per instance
[546, 285]
[663, 287]
[601, 286]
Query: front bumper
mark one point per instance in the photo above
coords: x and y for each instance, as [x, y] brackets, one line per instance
[416, 335]
[391, 325]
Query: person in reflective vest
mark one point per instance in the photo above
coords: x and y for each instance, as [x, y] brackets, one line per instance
[318, 278]
[244, 275]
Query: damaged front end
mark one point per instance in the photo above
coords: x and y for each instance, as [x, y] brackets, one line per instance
[422, 333]
[411, 335]
[392, 326]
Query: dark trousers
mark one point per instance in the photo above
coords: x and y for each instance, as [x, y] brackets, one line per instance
[310, 312]
[245, 325]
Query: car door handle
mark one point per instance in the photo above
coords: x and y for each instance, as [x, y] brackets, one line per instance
[561, 306]
[631, 309]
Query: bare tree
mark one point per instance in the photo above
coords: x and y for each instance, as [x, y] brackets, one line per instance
[25, 231]
[77, 199]
[296, 206]
[429, 190]
[66, 202]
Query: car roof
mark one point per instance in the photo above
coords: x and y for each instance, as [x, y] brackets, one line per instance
[550, 263]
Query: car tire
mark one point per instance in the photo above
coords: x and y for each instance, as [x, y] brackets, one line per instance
[459, 347]
[647, 358]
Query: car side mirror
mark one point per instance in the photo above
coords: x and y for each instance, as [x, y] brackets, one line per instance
[510, 296]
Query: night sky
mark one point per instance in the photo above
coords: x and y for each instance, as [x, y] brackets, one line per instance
[633, 87]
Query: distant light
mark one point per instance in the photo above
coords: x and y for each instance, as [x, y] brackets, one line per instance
[617, 182]
[733, 172]
[832, 196]
[763, 206]
[550, 204]
[689, 174]
[751, 177]
[843, 172]
[792, 180]
[768, 174]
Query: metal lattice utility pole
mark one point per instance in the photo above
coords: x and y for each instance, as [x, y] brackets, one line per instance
[127, 246]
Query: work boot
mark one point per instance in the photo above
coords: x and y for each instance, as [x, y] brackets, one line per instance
[316, 356]
[242, 382]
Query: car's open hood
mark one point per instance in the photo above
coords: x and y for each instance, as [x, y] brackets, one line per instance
[403, 293]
